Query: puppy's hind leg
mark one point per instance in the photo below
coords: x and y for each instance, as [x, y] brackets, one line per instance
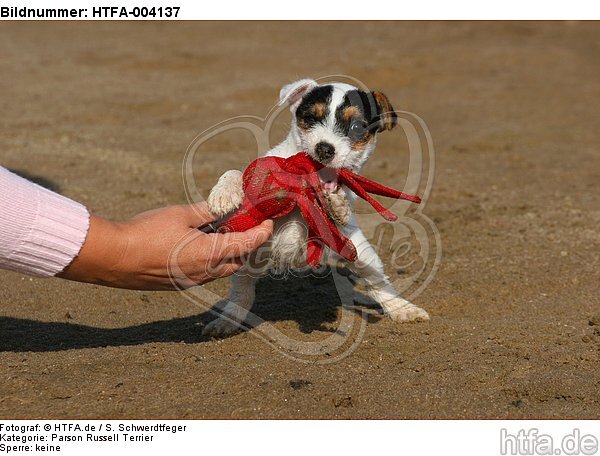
[237, 307]
[369, 268]
[227, 195]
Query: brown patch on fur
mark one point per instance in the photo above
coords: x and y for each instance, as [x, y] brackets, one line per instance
[387, 118]
[318, 110]
[350, 112]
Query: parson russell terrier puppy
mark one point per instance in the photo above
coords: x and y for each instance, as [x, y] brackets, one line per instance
[336, 124]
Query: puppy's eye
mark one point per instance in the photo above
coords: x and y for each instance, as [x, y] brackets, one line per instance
[306, 121]
[358, 129]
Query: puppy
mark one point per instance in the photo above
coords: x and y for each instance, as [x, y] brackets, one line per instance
[337, 124]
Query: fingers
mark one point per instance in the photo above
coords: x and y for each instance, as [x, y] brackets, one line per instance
[235, 245]
[226, 269]
[211, 272]
[201, 258]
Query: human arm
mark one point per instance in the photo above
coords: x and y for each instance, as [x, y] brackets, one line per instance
[45, 234]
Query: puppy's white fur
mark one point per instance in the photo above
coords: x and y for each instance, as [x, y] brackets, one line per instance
[287, 248]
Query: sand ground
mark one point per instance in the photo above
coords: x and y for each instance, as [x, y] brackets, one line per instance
[104, 112]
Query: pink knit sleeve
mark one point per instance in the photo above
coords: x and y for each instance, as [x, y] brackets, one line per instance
[41, 232]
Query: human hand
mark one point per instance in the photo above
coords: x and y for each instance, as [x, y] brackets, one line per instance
[135, 254]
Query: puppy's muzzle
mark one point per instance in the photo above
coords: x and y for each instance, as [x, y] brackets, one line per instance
[324, 151]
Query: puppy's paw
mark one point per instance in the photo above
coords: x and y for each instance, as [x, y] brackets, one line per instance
[221, 328]
[338, 207]
[407, 313]
[227, 195]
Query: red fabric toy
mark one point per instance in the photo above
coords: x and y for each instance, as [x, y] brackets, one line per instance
[274, 186]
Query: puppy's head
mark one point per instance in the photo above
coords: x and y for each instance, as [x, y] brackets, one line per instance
[337, 124]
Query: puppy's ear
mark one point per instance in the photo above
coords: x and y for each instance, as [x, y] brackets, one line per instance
[291, 94]
[386, 116]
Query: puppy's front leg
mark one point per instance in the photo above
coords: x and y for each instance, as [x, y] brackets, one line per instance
[338, 207]
[369, 268]
[237, 308]
[227, 195]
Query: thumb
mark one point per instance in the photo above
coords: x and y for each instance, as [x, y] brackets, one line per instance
[197, 214]
[238, 244]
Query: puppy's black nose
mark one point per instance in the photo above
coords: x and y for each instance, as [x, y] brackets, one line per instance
[324, 151]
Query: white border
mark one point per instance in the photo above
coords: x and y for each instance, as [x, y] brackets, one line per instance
[349, 9]
[308, 438]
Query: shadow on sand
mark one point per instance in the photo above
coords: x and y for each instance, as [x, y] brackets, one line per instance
[312, 302]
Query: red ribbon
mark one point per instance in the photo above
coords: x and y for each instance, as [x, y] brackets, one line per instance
[274, 186]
